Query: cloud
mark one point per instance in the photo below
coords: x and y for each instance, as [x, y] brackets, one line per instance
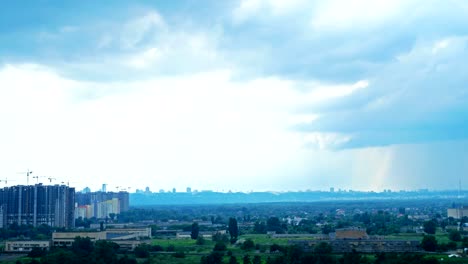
[248, 9]
[135, 31]
[214, 125]
[257, 88]
[357, 14]
[420, 97]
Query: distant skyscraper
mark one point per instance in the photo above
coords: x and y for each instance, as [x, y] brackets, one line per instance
[38, 204]
[147, 189]
[173, 190]
[332, 189]
[104, 189]
[189, 190]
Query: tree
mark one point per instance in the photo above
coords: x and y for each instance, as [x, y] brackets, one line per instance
[213, 258]
[274, 224]
[170, 248]
[430, 227]
[246, 260]
[142, 251]
[352, 258]
[455, 235]
[294, 254]
[200, 240]
[112, 216]
[260, 227]
[326, 229]
[257, 260]
[220, 246]
[105, 251]
[217, 237]
[248, 245]
[37, 252]
[233, 229]
[179, 254]
[323, 248]
[82, 246]
[156, 248]
[233, 260]
[126, 260]
[276, 248]
[195, 230]
[429, 243]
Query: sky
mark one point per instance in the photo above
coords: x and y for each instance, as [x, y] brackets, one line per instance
[248, 95]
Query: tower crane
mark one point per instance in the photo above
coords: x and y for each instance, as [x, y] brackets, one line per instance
[28, 172]
[5, 181]
[37, 178]
[50, 179]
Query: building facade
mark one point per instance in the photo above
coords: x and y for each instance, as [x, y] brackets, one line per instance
[26, 246]
[126, 238]
[53, 205]
[458, 213]
[101, 204]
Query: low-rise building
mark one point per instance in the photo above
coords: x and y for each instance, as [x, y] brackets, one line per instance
[351, 233]
[127, 238]
[363, 246]
[204, 234]
[26, 246]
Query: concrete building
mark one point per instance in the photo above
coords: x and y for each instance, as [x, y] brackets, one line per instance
[126, 238]
[101, 204]
[363, 246]
[458, 213]
[351, 233]
[204, 234]
[26, 246]
[53, 205]
[346, 240]
[2, 224]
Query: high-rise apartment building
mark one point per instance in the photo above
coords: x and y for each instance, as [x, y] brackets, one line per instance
[101, 204]
[38, 204]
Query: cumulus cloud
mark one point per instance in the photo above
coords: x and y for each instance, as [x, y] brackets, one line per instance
[260, 89]
[420, 97]
[136, 30]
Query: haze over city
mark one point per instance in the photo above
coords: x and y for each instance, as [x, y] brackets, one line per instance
[235, 95]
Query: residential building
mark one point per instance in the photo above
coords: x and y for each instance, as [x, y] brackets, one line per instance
[101, 204]
[53, 205]
[458, 213]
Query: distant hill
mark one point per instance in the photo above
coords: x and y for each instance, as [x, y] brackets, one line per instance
[208, 197]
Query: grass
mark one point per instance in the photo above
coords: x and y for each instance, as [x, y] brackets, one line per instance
[186, 245]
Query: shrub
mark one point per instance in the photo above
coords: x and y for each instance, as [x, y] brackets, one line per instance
[170, 248]
[200, 240]
[179, 254]
[248, 245]
[220, 246]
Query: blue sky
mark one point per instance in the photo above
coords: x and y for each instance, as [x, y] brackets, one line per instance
[235, 95]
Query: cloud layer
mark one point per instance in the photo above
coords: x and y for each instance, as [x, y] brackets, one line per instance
[253, 91]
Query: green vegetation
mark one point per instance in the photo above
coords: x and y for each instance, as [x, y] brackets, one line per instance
[244, 238]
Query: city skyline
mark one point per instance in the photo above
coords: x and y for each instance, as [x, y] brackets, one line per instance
[235, 95]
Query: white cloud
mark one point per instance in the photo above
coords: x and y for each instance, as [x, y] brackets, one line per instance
[187, 101]
[137, 29]
[248, 9]
[204, 126]
[145, 59]
[356, 14]
[326, 140]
